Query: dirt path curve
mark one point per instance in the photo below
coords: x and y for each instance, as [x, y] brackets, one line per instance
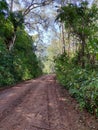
[42, 104]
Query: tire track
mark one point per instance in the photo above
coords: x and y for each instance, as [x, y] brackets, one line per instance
[43, 106]
[10, 108]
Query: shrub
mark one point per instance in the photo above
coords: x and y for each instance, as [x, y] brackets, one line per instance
[81, 83]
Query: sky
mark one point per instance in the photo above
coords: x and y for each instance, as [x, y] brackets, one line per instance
[46, 34]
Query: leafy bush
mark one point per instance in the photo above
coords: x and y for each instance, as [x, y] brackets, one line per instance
[20, 63]
[6, 78]
[81, 83]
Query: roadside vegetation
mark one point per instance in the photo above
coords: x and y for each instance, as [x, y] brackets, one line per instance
[77, 66]
[17, 62]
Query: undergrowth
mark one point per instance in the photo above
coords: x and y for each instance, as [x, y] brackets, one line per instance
[81, 83]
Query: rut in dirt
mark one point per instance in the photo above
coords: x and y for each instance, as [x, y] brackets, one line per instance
[42, 104]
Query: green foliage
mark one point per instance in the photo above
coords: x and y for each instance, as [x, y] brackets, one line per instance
[79, 19]
[5, 75]
[79, 73]
[17, 19]
[3, 7]
[20, 63]
[81, 83]
[25, 60]
[82, 23]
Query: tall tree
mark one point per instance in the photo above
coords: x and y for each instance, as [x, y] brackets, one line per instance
[18, 17]
[81, 22]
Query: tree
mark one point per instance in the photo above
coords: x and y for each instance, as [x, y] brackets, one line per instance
[18, 18]
[20, 63]
[95, 2]
[81, 22]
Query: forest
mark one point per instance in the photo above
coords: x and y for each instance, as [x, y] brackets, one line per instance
[18, 62]
[72, 56]
[77, 67]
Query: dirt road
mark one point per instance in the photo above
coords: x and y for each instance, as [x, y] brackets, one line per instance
[42, 104]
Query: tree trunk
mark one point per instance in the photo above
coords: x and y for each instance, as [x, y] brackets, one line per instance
[83, 52]
[12, 42]
[63, 38]
[11, 7]
[68, 44]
